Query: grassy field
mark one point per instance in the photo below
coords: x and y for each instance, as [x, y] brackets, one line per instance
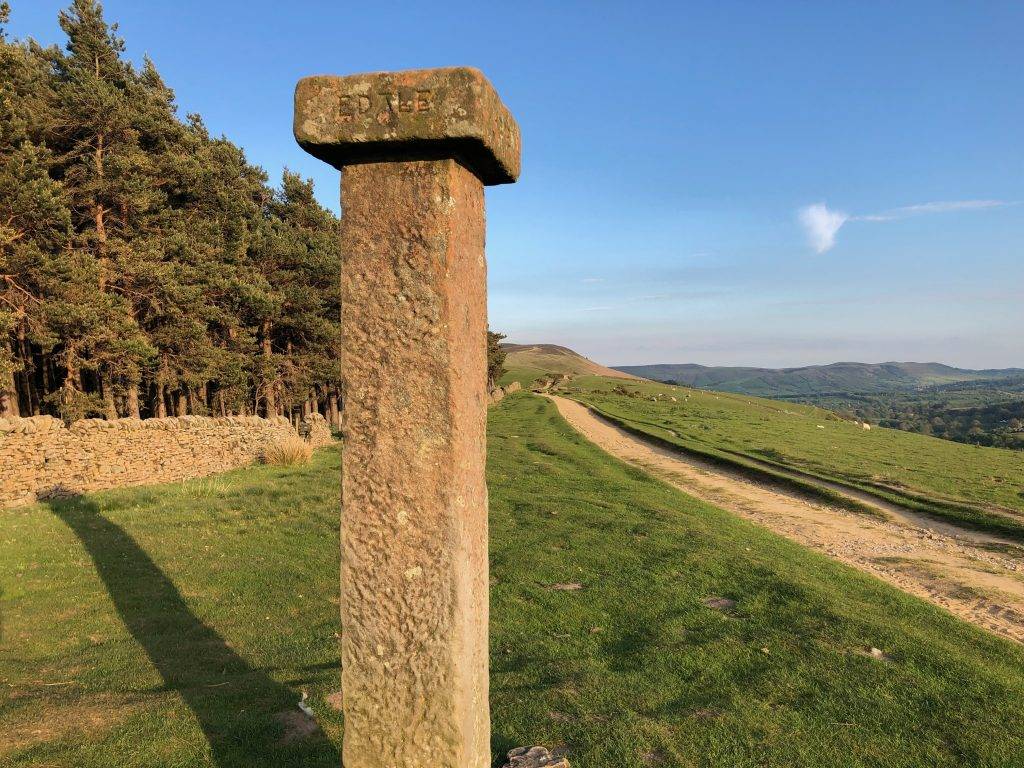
[167, 626]
[971, 485]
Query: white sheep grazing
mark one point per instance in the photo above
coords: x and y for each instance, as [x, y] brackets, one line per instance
[865, 425]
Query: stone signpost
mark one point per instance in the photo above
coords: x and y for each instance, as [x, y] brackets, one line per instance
[416, 149]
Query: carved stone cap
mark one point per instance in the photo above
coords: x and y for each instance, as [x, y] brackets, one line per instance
[413, 115]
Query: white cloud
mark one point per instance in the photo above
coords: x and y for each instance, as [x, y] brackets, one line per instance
[593, 279]
[821, 225]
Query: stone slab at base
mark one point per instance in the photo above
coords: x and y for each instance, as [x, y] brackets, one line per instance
[535, 757]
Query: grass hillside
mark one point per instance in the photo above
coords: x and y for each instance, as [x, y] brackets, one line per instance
[981, 487]
[865, 378]
[535, 360]
[983, 412]
[167, 626]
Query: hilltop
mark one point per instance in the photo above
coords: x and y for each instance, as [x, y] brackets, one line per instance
[552, 358]
[863, 378]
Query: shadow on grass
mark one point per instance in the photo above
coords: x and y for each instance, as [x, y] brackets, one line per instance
[236, 706]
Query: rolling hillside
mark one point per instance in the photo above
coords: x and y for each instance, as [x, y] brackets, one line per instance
[968, 485]
[862, 378]
[551, 358]
[178, 625]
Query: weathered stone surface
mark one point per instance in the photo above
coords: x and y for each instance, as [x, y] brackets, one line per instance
[41, 458]
[414, 115]
[416, 149]
[414, 520]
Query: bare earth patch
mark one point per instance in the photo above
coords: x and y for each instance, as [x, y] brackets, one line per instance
[297, 726]
[569, 587]
[84, 717]
[963, 571]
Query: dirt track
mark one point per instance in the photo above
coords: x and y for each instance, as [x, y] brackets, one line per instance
[959, 570]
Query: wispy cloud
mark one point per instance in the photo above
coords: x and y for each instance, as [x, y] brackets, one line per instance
[948, 205]
[652, 297]
[822, 223]
[593, 280]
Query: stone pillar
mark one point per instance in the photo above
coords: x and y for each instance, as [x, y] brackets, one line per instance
[416, 149]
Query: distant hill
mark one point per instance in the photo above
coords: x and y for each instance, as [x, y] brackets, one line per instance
[551, 358]
[861, 378]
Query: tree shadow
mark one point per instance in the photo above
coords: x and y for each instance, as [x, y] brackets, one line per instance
[241, 710]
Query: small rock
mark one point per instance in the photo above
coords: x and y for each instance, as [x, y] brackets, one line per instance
[720, 603]
[535, 757]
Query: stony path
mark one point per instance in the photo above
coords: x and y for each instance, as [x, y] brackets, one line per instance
[962, 571]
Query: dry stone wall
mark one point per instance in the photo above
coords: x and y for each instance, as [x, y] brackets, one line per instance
[42, 458]
[495, 395]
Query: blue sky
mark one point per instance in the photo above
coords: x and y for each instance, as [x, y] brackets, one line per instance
[685, 165]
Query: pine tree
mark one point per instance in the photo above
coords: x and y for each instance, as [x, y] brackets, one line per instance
[106, 173]
[34, 220]
[147, 268]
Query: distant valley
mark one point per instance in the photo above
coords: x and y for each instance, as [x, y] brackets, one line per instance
[984, 407]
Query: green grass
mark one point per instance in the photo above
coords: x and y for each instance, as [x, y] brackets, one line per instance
[166, 626]
[185, 616]
[970, 485]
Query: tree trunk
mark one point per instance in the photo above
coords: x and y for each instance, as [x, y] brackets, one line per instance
[45, 382]
[332, 410]
[270, 401]
[180, 405]
[133, 401]
[109, 407]
[99, 219]
[201, 401]
[24, 352]
[71, 385]
[160, 402]
[9, 398]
